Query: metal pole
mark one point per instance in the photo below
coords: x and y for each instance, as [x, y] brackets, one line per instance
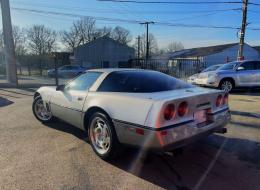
[9, 50]
[56, 69]
[147, 41]
[138, 48]
[147, 38]
[243, 30]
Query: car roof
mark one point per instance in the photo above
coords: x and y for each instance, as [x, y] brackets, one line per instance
[110, 70]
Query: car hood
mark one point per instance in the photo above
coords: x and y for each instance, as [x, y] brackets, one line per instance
[194, 76]
[206, 74]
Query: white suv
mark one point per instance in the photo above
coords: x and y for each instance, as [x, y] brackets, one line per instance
[231, 75]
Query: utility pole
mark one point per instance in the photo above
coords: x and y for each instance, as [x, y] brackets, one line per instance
[243, 31]
[9, 50]
[138, 47]
[147, 38]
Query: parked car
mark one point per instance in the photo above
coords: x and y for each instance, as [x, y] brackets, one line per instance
[232, 75]
[140, 108]
[67, 71]
[192, 78]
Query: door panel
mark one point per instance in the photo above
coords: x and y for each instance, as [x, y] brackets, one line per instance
[247, 76]
[67, 105]
[257, 73]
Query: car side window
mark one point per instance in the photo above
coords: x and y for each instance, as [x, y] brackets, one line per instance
[83, 82]
[248, 65]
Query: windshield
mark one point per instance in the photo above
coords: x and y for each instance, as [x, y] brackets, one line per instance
[141, 82]
[228, 66]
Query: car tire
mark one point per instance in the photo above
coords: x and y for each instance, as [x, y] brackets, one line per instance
[226, 85]
[102, 136]
[40, 111]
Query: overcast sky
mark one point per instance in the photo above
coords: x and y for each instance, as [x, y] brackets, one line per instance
[181, 14]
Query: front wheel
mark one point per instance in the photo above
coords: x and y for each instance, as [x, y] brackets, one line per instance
[103, 137]
[226, 85]
[40, 111]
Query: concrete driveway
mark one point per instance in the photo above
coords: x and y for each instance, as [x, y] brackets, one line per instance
[57, 156]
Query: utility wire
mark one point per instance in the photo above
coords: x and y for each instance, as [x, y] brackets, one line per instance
[179, 2]
[173, 2]
[128, 20]
[119, 11]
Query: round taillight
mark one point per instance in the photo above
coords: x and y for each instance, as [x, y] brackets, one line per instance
[225, 99]
[182, 109]
[219, 100]
[169, 112]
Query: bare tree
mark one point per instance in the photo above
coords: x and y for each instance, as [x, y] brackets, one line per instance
[121, 35]
[105, 31]
[86, 29]
[153, 46]
[19, 35]
[41, 40]
[1, 39]
[174, 46]
[81, 32]
[70, 39]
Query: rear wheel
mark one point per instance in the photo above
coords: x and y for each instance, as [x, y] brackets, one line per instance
[40, 112]
[226, 85]
[103, 137]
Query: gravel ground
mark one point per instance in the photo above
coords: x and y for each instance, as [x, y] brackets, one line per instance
[57, 156]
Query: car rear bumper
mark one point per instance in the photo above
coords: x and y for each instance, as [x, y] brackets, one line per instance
[170, 137]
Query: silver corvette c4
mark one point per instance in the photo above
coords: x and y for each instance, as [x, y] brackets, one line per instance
[141, 108]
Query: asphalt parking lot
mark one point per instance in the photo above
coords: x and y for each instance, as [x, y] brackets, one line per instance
[57, 156]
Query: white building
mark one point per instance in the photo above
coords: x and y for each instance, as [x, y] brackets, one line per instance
[213, 54]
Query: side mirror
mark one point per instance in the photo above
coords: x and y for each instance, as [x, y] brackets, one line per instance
[60, 87]
[240, 68]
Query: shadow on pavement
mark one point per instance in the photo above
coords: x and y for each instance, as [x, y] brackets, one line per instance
[246, 114]
[200, 162]
[243, 124]
[246, 91]
[5, 102]
[62, 126]
[186, 170]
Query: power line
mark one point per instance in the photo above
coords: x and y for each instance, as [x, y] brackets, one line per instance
[173, 2]
[119, 11]
[128, 20]
[179, 2]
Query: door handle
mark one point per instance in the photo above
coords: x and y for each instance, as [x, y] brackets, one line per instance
[80, 98]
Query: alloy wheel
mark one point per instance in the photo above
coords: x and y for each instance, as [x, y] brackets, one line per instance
[100, 135]
[41, 112]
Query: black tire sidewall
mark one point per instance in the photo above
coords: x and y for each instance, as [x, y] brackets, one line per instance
[33, 105]
[114, 147]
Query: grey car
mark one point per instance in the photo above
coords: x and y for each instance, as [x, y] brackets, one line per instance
[192, 78]
[67, 71]
[232, 75]
[138, 108]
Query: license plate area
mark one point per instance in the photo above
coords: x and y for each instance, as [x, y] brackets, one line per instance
[201, 117]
